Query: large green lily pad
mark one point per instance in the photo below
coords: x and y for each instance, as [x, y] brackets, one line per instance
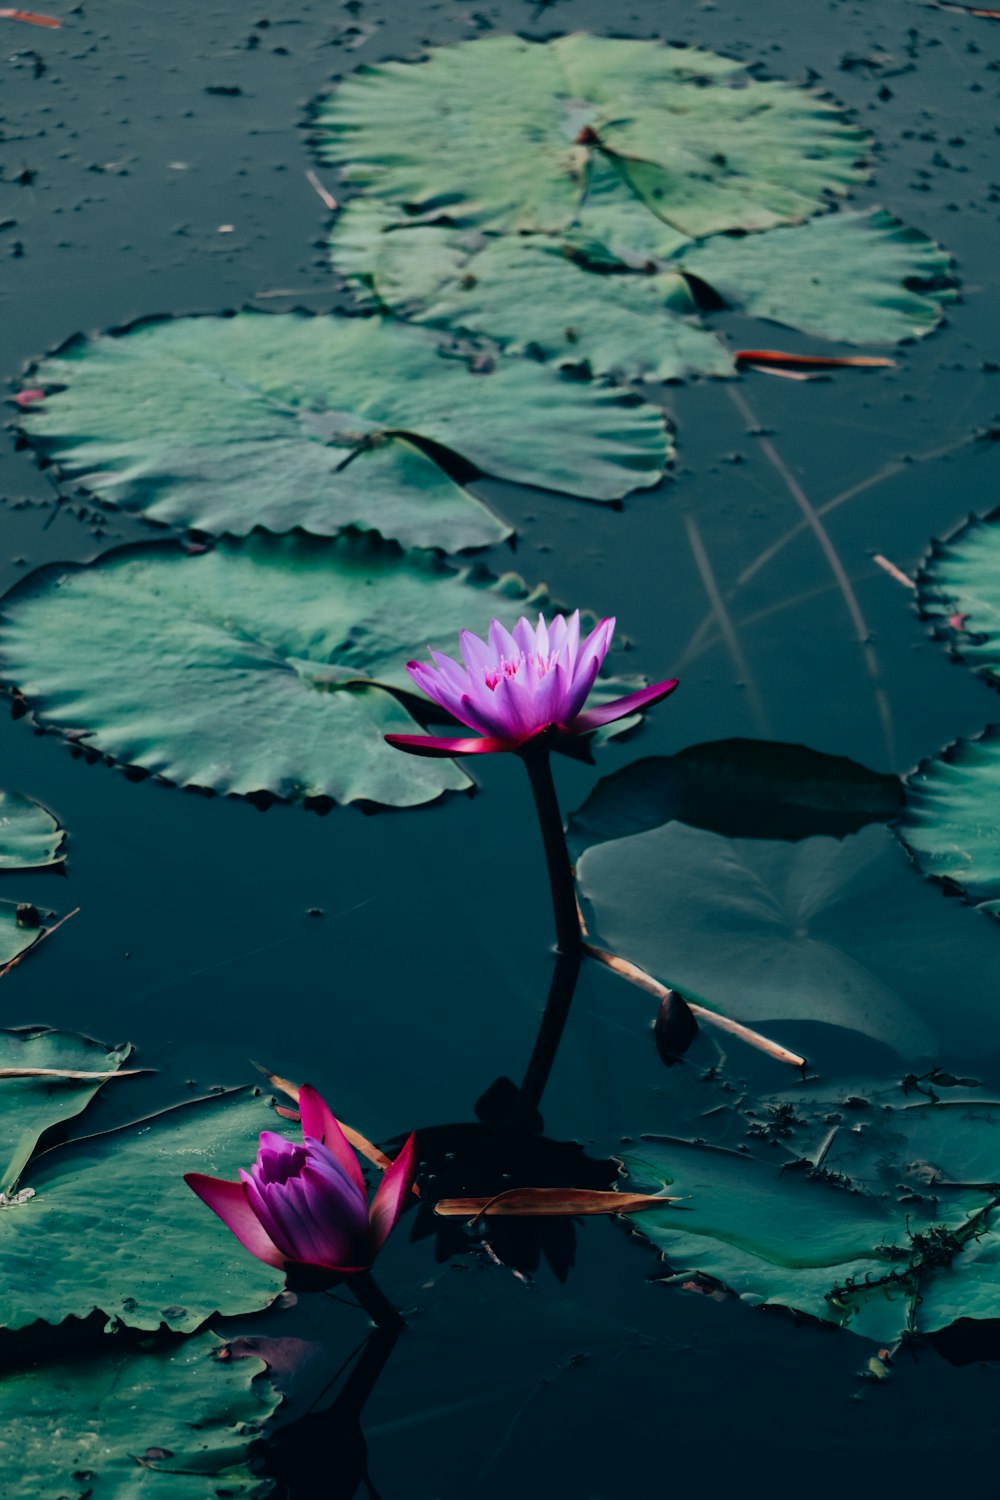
[860, 278]
[30, 837]
[951, 819]
[224, 424]
[820, 931]
[958, 589]
[501, 133]
[31, 1106]
[530, 293]
[173, 1422]
[742, 788]
[112, 1226]
[867, 1206]
[270, 665]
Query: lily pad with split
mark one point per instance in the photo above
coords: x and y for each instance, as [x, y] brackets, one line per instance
[276, 665]
[326, 423]
[820, 931]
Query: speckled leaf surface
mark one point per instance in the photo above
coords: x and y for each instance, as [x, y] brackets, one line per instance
[859, 278]
[225, 424]
[501, 133]
[172, 1422]
[958, 590]
[529, 293]
[264, 666]
[951, 818]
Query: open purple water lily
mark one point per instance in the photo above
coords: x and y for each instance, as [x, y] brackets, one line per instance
[306, 1205]
[520, 684]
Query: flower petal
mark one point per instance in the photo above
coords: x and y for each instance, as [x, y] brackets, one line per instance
[630, 704]
[229, 1201]
[387, 1205]
[429, 744]
[320, 1124]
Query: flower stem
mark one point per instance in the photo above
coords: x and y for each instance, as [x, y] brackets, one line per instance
[569, 936]
[538, 763]
[375, 1303]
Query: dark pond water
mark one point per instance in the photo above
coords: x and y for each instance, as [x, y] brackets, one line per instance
[424, 978]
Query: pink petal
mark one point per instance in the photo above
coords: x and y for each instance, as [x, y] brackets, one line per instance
[387, 1205]
[319, 1122]
[229, 1201]
[620, 707]
[429, 744]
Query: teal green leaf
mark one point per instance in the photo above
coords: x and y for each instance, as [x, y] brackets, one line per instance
[958, 590]
[530, 294]
[31, 1106]
[741, 788]
[951, 819]
[501, 133]
[172, 1422]
[112, 1226]
[859, 278]
[870, 1207]
[820, 930]
[224, 424]
[30, 837]
[270, 665]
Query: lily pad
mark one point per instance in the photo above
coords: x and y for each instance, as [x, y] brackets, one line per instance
[30, 837]
[859, 278]
[267, 666]
[173, 1422]
[958, 589]
[951, 820]
[112, 1226]
[817, 931]
[870, 1207]
[741, 788]
[529, 293]
[31, 1106]
[501, 133]
[225, 424]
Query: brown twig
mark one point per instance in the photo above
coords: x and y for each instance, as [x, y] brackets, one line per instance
[643, 981]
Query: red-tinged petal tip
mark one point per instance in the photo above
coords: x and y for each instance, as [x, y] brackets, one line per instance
[229, 1201]
[431, 745]
[607, 713]
[321, 1124]
[387, 1205]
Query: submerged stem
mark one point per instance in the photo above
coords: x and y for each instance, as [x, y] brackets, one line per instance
[543, 1054]
[375, 1303]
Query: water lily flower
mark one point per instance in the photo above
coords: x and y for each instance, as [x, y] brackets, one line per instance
[306, 1205]
[521, 684]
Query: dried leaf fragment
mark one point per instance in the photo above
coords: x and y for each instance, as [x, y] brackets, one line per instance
[547, 1202]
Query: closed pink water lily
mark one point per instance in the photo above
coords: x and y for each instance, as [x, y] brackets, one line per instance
[306, 1205]
[520, 684]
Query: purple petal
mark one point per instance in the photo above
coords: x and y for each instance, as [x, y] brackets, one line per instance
[429, 744]
[578, 693]
[320, 1124]
[502, 643]
[475, 653]
[229, 1201]
[437, 687]
[387, 1204]
[620, 707]
[596, 644]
